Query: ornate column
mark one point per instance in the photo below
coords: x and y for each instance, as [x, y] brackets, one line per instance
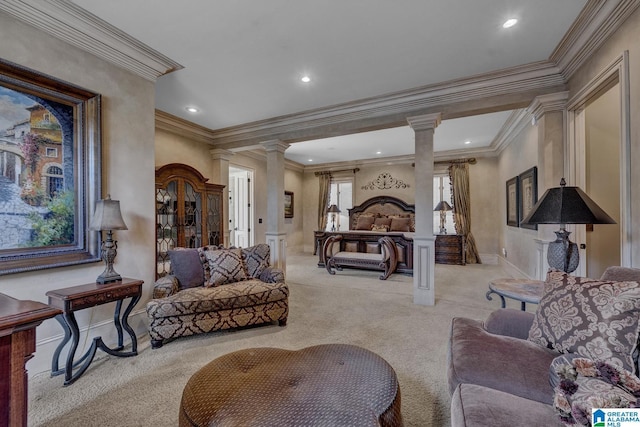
[221, 176]
[424, 240]
[276, 236]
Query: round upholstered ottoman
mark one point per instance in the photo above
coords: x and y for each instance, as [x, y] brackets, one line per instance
[325, 385]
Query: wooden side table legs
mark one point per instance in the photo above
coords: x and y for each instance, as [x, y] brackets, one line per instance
[72, 332]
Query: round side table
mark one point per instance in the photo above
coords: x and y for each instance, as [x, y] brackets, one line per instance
[523, 290]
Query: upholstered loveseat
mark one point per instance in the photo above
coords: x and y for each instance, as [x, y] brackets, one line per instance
[500, 373]
[213, 288]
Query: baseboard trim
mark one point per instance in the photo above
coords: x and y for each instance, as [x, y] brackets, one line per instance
[512, 269]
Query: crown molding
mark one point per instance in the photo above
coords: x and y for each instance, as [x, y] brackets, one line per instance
[71, 23]
[180, 126]
[595, 24]
[517, 121]
[537, 77]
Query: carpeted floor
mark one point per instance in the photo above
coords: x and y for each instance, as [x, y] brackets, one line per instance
[352, 307]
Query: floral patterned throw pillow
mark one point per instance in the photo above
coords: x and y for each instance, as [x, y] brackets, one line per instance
[597, 319]
[581, 384]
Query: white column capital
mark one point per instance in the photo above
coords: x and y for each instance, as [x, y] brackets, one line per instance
[221, 154]
[548, 103]
[425, 122]
[275, 145]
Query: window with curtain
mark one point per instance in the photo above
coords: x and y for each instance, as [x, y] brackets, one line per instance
[340, 194]
[442, 191]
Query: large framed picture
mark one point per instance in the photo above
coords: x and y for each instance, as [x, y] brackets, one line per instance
[528, 195]
[513, 202]
[50, 177]
[288, 204]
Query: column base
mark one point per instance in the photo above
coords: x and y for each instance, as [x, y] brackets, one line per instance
[278, 247]
[423, 270]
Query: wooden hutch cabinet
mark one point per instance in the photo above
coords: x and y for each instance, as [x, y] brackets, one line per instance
[188, 212]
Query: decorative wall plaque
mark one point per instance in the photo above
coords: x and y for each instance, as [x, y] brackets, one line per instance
[385, 181]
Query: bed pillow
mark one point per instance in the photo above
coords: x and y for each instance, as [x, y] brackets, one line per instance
[400, 224]
[382, 228]
[186, 267]
[225, 266]
[383, 221]
[597, 319]
[364, 222]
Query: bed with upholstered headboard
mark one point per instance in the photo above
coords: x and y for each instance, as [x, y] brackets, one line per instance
[378, 213]
[374, 218]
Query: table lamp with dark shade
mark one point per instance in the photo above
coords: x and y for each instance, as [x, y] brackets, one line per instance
[443, 207]
[565, 205]
[107, 217]
[333, 210]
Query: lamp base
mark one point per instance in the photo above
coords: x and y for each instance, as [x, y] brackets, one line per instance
[562, 253]
[108, 278]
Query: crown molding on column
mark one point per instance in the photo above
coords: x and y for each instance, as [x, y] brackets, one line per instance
[548, 103]
[425, 121]
[220, 154]
[597, 21]
[71, 23]
[275, 145]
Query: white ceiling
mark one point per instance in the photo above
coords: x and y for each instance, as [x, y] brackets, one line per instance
[243, 59]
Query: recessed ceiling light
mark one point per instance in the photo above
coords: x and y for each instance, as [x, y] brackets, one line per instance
[509, 23]
[467, 142]
[310, 160]
[305, 79]
[378, 152]
[192, 109]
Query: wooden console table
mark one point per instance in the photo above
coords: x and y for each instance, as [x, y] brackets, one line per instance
[18, 321]
[77, 298]
[450, 249]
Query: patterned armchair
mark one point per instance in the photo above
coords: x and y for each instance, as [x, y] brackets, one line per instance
[213, 288]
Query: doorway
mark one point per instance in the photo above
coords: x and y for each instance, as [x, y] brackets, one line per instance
[602, 179]
[598, 161]
[240, 207]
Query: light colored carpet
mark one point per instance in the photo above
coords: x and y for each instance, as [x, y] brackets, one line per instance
[352, 307]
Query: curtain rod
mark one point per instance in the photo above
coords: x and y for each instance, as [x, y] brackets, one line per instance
[354, 170]
[471, 161]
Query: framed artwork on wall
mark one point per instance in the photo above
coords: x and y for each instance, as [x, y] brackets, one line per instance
[50, 171]
[513, 218]
[288, 204]
[528, 195]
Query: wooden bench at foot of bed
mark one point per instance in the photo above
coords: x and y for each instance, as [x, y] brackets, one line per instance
[386, 260]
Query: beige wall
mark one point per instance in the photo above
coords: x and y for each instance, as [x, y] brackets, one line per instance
[486, 192]
[127, 174]
[519, 243]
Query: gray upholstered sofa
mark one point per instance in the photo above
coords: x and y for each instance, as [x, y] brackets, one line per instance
[213, 288]
[499, 375]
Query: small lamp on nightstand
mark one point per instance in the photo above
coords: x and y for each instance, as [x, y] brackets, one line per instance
[107, 217]
[443, 207]
[333, 210]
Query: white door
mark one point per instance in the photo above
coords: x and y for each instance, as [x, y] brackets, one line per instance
[240, 206]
